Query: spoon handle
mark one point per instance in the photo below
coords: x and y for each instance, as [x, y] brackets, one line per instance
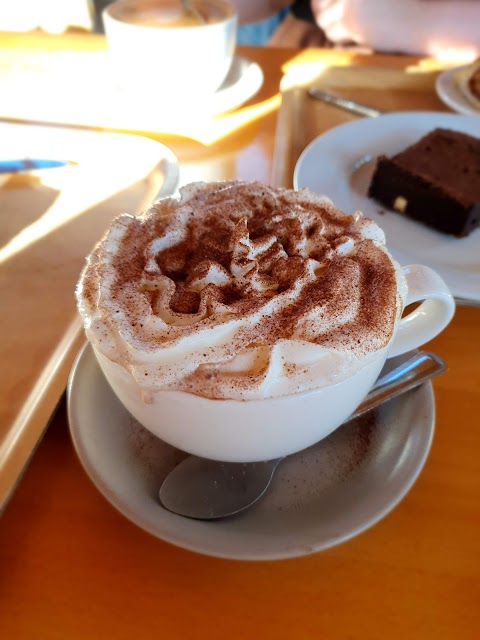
[410, 374]
[208, 489]
[344, 103]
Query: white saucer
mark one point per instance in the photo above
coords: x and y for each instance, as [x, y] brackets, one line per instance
[327, 166]
[116, 108]
[319, 497]
[450, 94]
[243, 81]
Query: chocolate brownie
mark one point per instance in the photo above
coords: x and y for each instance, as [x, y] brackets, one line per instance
[435, 181]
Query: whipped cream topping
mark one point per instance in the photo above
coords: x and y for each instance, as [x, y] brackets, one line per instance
[239, 290]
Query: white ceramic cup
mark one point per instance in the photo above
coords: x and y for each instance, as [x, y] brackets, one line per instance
[167, 60]
[253, 430]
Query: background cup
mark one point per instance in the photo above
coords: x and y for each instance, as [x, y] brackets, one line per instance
[169, 60]
[254, 430]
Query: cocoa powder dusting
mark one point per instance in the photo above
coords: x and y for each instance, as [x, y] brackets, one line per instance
[281, 265]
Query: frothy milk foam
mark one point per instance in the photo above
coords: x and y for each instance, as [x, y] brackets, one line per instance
[170, 13]
[240, 291]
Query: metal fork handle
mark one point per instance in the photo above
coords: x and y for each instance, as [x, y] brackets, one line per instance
[344, 103]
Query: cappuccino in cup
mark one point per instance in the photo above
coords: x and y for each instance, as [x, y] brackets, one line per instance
[242, 322]
[170, 13]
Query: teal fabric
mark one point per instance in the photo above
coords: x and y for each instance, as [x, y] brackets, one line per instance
[258, 33]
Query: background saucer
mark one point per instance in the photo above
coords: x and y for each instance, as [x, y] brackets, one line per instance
[64, 85]
[242, 82]
[318, 498]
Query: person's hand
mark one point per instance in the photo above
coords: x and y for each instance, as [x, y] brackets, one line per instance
[409, 26]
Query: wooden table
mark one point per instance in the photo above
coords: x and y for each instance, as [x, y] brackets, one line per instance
[72, 567]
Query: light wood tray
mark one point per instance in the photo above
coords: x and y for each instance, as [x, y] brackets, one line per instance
[49, 221]
[388, 83]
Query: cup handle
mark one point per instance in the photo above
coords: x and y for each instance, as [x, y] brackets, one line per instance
[429, 318]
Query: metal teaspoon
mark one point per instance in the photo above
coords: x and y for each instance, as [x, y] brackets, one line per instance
[190, 9]
[209, 489]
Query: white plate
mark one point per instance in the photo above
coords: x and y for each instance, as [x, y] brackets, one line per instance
[318, 498]
[450, 93]
[327, 166]
[102, 163]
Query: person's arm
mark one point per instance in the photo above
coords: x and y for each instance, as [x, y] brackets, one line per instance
[409, 26]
